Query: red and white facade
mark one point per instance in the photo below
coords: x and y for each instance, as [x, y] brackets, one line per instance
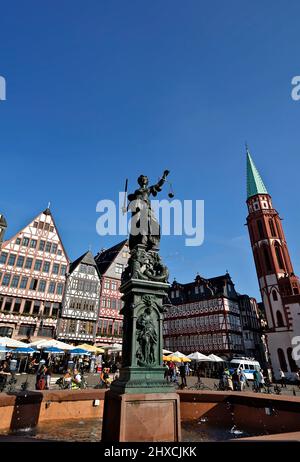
[111, 263]
[204, 316]
[33, 264]
[80, 305]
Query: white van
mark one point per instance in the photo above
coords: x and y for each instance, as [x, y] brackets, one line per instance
[248, 366]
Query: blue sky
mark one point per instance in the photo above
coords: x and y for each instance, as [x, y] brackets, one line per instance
[99, 91]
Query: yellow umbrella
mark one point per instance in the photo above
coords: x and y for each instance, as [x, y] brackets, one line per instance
[173, 358]
[185, 360]
[91, 348]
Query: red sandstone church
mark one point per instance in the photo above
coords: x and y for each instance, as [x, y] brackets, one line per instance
[279, 286]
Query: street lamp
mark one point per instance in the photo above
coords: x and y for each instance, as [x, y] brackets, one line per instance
[3, 226]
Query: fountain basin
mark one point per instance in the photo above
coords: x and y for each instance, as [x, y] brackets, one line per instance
[207, 413]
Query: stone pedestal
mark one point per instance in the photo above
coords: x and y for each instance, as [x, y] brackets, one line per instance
[151, 417]
[142, 370]
[141, 405]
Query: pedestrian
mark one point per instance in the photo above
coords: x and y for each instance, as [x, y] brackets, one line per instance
[67, 379]
[236, 380]
[256, 380]
[4, 373]
[166, 371]
[261, 380]
[187, 369]
[86, 364]
[221, 380]
[48, 373]
[76, 381]
[182, 372]
[199, 374]
[227, 380]
[33, 365]
[40, 383]
[171, 371]
[282, 378]
[243, 379]
[113, 369]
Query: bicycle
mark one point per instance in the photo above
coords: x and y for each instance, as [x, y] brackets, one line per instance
[83, 384]
[219, 386]
[9, 385]
[199, 385]
[3, 382]
[25, 385]
[63, 385]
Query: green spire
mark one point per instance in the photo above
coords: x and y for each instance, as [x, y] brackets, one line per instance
[255, 184]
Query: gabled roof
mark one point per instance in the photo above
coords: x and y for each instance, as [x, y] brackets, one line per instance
[106, 257]
[212, 287]
[47, 211]
[87, 258]
[255, 184]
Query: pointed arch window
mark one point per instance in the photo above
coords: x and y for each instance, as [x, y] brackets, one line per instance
[279, 318]
[282, 360]
[251, 233]
[260, 229]
[292, 362]
[275, 296]
[267, 258]
[277, 223]
[257, 262]
[272, 228]
[279, 256]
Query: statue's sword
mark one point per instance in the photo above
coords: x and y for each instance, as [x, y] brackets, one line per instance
[124, 208]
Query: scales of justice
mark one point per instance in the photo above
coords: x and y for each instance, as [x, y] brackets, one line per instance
[141, 405]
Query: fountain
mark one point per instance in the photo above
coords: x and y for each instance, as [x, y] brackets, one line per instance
[141, 405]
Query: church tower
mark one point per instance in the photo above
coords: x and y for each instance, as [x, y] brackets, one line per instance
[279, 286]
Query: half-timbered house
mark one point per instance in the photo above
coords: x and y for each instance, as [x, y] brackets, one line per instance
[204, 316]
[33, 265]
[111, 263]
[80, 307]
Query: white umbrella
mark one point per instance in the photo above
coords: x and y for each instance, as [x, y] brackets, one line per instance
[10, 342]
[216, 358]
[37, 342]
[167, 352]
[51, 343]
[199, 357]
[113, 347]
[179, 355]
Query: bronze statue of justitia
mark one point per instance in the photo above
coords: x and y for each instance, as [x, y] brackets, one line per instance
[145, 229]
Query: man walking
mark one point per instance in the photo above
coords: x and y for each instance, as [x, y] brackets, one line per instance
[236, 380]
[182, 372]
[243, 379]
[256, 381]
[282, 378]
